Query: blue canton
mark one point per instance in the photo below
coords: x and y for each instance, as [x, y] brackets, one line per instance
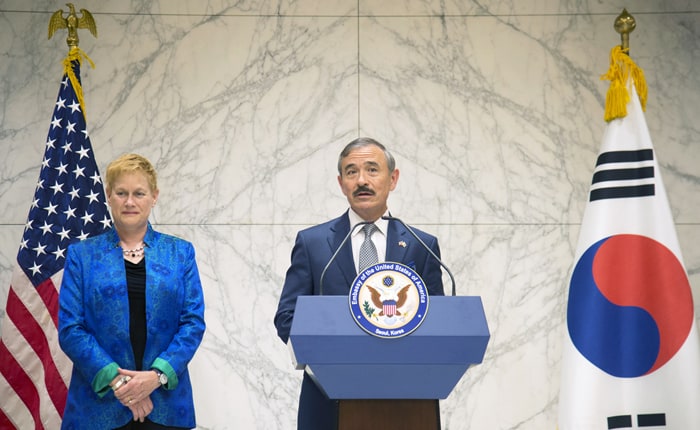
[69, 202]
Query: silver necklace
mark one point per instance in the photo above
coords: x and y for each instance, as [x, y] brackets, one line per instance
[136, 252]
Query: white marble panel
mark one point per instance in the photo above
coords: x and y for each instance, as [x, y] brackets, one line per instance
[227, 108]
[519, 7]
[199, 7]
[506, 119]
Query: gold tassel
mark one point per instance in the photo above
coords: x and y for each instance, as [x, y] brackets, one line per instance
[76, 54]
[622, 68]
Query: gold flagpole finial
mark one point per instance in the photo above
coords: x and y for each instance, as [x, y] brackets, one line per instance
[623, 70]
[71, 64]
[72, 23]
[625, 24]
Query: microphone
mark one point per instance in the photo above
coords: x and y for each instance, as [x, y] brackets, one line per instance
[335, 254]
[413, 233]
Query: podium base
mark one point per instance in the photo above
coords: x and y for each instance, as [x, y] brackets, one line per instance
[384, 414]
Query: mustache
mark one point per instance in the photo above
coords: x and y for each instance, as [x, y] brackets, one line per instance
[362, 189]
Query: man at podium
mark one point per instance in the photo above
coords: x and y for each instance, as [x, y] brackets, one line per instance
[366, 174]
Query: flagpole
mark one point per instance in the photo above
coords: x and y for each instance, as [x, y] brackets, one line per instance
[625, 24]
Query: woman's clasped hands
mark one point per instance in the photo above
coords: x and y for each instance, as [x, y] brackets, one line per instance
[133, 390]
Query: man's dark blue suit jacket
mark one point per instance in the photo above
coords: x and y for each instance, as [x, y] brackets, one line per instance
[312, 250]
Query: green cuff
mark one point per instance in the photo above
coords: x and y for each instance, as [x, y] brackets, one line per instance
[166, 368]
[100, 384]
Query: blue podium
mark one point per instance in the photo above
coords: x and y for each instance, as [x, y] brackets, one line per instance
[388, 379]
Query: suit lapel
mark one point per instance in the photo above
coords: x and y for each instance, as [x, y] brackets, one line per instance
[344, 259]
[396, 242]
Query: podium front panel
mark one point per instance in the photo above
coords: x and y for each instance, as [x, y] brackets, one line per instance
[348, 363]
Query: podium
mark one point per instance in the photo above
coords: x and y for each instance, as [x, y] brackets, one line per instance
[388, 381]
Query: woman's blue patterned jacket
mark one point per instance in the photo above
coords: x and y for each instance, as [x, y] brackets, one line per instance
[93, 328]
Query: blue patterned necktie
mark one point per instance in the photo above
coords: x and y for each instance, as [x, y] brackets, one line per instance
[368, 252]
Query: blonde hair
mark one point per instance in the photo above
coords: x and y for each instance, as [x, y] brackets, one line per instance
[130, 163]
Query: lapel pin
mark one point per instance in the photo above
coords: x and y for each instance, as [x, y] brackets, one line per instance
[402, 244]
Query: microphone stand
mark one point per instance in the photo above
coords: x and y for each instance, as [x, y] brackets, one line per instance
[413, 233]
[335, 254]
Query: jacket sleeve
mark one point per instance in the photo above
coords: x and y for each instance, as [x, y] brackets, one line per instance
[74, 336]
[190, 327]
[298, 282]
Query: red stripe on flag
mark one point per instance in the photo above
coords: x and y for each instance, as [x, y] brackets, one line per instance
[20, 382]
[35, 337]
[49, 295]
[5, 422]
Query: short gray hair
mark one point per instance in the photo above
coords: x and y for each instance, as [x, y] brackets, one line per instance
[361, 142]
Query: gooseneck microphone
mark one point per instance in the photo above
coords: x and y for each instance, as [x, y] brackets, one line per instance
[413, 233]
[335, 254]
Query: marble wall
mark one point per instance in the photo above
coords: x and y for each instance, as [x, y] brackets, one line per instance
[494, 110]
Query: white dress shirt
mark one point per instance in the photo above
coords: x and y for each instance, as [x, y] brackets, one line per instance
[379, 237]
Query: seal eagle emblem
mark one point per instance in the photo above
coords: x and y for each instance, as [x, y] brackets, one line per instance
[388, 300]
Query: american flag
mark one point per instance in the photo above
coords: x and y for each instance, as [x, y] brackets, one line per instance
[69, 205]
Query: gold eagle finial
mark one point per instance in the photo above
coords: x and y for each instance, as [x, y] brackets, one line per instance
[72, 23]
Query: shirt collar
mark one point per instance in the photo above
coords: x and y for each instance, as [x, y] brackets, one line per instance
[381, 223]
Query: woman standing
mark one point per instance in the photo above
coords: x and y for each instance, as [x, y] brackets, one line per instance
[131, 315]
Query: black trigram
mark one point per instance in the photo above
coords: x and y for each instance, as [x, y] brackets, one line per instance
[622, 174]
[643, 421]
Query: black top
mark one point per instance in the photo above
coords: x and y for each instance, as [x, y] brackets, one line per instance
[136, 286]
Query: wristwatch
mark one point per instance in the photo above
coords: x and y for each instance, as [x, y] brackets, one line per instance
[162, 377]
